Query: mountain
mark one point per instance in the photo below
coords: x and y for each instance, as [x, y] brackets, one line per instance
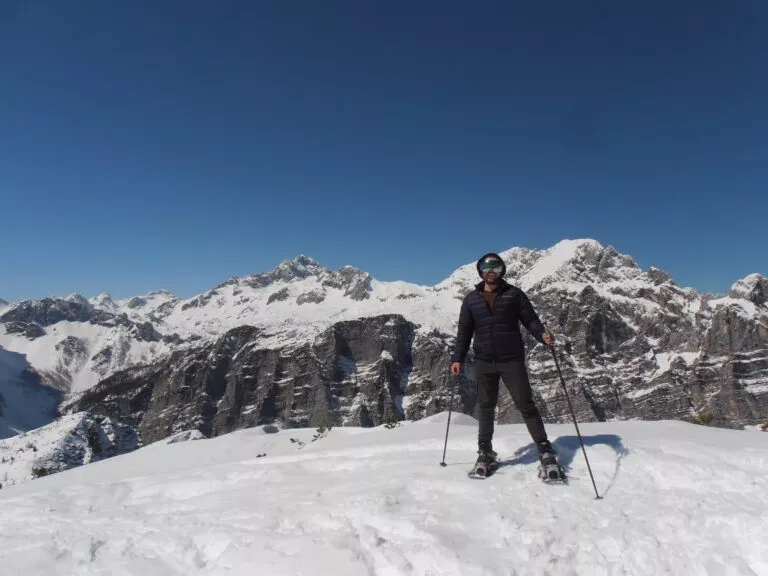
[303, 345]
[676, 498]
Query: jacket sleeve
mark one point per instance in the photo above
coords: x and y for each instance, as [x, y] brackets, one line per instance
[530, 319]
[465, 331]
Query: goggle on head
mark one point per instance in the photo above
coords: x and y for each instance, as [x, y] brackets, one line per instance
[491, 265]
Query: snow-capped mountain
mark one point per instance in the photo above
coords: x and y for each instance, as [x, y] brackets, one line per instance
[304, 345]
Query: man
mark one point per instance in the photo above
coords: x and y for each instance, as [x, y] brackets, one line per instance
[492, 313]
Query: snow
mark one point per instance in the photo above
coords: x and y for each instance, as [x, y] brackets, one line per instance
[744, 308]
[553, 260]
[676, 498]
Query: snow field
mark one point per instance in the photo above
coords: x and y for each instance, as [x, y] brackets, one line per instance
[677, 499]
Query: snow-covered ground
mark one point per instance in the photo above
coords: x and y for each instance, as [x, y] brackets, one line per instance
[676, 499]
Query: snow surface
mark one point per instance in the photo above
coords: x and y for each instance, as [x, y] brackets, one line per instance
[676, 499]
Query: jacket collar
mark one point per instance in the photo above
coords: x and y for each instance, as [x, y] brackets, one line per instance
[503, 285]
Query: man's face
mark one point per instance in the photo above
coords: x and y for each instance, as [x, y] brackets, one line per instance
[491, 269]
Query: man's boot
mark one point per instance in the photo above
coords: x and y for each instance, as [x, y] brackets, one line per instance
[550, 468]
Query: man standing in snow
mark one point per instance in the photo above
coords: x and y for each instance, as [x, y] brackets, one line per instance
[492, 313]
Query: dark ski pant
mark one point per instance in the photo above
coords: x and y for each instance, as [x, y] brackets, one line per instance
[515, 376]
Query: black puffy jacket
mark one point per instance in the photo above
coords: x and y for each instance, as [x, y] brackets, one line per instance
[497, 335]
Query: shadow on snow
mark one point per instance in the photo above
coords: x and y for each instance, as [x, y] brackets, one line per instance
[567, 447]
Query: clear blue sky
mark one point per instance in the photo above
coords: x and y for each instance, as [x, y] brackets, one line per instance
[174, 144]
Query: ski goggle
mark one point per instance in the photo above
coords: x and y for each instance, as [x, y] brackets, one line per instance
[493, 266]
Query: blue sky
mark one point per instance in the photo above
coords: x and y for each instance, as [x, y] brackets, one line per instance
[174, 144]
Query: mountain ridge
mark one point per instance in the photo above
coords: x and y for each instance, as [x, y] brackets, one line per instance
[618, 322]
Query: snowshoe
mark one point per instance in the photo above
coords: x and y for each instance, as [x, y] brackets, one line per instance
[550, 469]
[486, 464]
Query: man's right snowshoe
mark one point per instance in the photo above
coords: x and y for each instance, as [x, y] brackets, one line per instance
[549, 468]
[487, 463]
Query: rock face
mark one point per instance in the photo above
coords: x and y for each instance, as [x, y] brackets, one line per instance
[753, 288]
[67, 443]
[303, 345]
[354, 373]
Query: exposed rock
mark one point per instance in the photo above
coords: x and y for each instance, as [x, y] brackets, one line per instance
[146, 332]
[29, 330]
[50, 311]
[73, 353]
[136, 302]
[199, 301]
[174, 339]
[66, 443]
[314, 296]
[753, 288]
[278, 296]
[354, 373]
[657, 276]
[297, 268]
[355, 283]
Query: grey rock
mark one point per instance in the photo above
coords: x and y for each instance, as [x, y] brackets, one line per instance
[311, 297]
[279, 296]
[354, 373]
[297, 268]
[753, 288]
[658, 276]
[136, 302]
[49, 311]
[355, 283]
[173, 339]
[73, 353]
[29, 330]
[199, 301]
[145, 332]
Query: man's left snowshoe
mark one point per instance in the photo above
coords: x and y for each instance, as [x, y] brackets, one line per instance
[486, 464]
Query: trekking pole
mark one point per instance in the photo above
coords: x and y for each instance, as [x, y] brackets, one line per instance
[573, 415]
[450, 408]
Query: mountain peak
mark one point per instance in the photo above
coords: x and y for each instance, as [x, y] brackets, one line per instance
[300, 266]
[753, 288]
[77, 299]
